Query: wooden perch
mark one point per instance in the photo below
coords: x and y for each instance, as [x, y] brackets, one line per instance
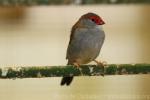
[86, 70]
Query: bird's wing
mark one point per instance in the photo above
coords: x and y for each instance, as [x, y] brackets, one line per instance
[71, 38]
[75, 26]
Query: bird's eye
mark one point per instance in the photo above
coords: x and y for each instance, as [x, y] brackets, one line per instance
[93, 20]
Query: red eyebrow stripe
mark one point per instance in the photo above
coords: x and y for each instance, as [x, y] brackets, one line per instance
[95, 18]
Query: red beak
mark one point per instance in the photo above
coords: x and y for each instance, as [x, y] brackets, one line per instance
[101, 22]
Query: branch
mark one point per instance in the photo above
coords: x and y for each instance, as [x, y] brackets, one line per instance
[59, 2]
[86, 70]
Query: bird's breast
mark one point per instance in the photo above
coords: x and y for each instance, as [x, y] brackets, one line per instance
[89, 36]
[88, 43]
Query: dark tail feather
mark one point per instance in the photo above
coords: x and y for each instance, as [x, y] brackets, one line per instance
[66, 80]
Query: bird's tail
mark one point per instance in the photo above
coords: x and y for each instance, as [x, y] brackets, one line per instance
[67, 79]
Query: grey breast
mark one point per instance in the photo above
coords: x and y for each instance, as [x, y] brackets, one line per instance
[86, 44]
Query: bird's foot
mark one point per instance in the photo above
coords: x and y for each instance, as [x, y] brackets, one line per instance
[101, 64]
[78, 67]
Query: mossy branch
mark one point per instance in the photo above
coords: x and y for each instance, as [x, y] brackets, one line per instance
[86, 70]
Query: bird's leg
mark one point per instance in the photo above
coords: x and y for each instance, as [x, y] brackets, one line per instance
[77, 65]
[101, 64]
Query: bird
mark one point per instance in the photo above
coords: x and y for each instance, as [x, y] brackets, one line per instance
[86, 40]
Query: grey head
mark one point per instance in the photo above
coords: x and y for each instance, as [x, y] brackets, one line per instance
[91, 20]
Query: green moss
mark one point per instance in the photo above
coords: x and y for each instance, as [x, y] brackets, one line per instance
[13, 73]
[87, 70]
[111, 69]
[0, 72]
[142, 68]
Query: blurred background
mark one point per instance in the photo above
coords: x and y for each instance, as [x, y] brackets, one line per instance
[38, 36]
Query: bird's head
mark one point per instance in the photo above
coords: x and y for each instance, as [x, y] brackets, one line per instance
[91, 19]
